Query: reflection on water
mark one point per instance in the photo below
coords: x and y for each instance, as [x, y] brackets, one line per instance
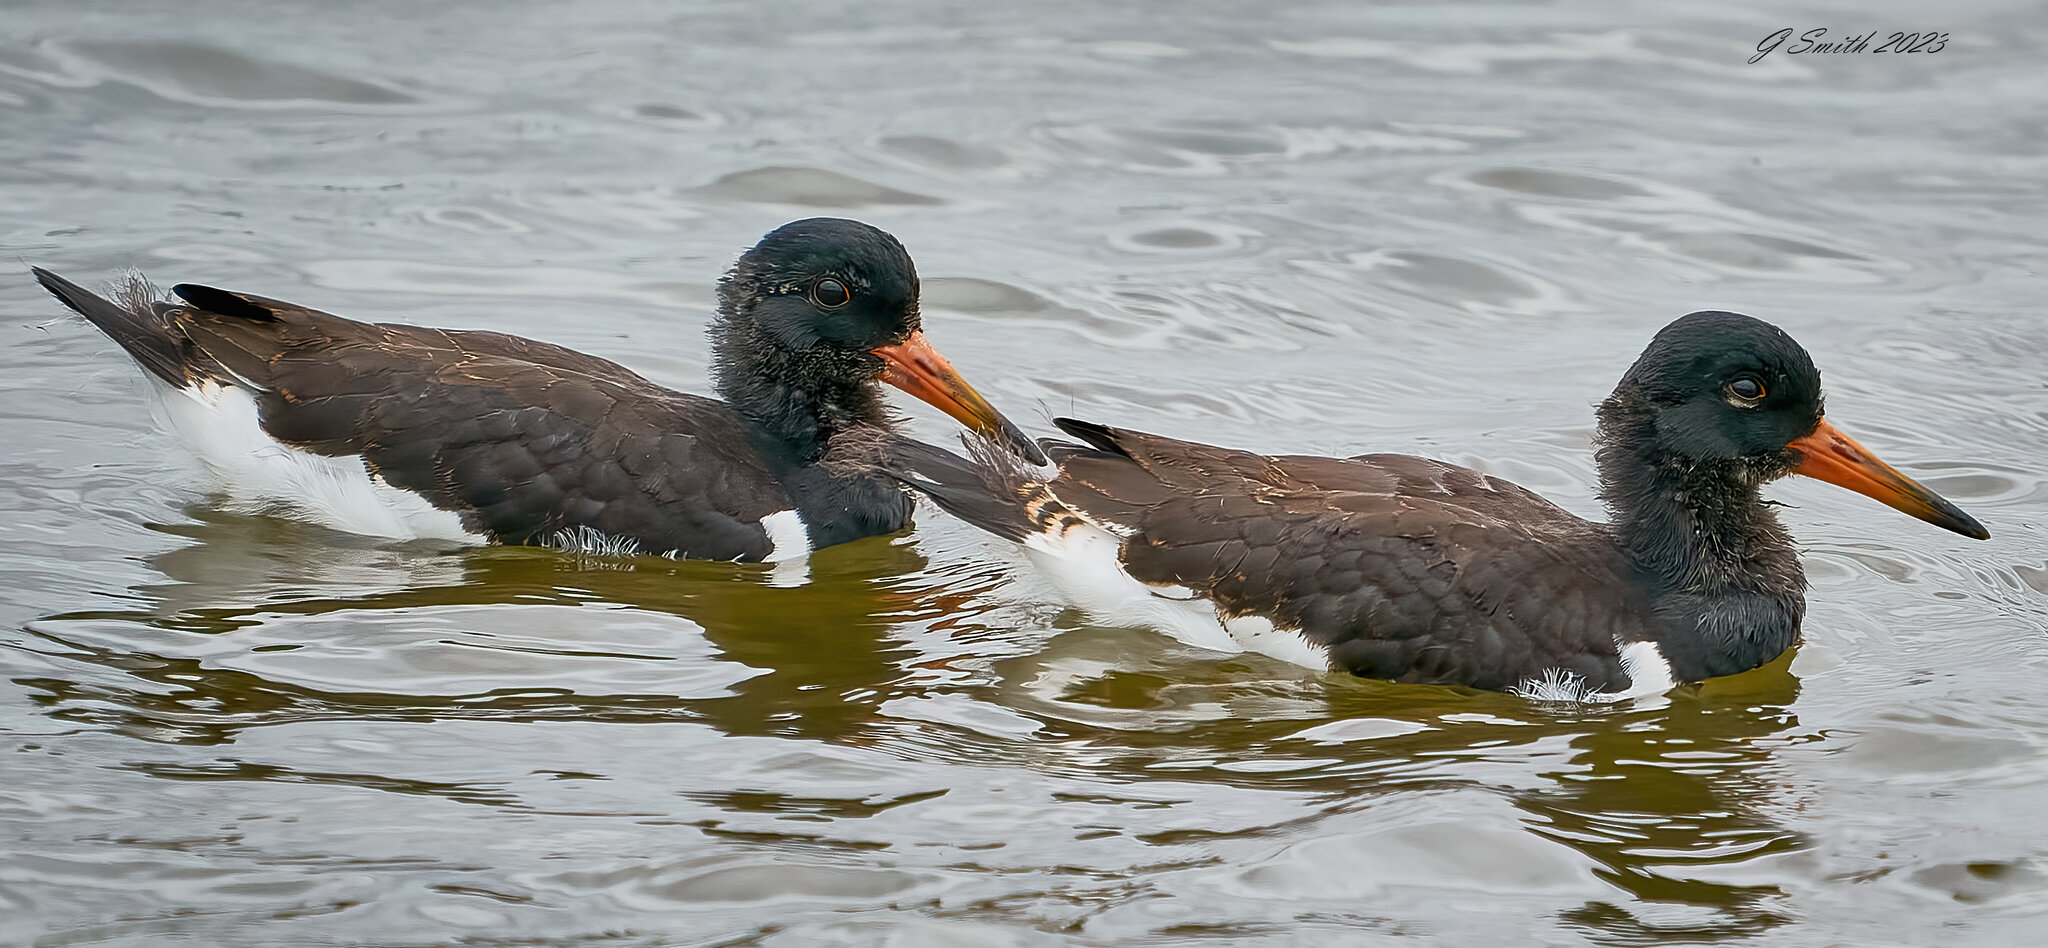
[263, 624]
[1645, 797]
[286, 623]
[1330, 228]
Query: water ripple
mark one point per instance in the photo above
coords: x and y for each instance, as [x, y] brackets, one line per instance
[203, 74]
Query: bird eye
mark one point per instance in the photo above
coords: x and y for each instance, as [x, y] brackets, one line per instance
[830, 293]
[1746, 388]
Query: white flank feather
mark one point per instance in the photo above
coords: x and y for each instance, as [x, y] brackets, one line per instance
[219, 424]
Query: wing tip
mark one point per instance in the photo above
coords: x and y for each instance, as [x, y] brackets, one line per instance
[223, 302]
[1098, 436]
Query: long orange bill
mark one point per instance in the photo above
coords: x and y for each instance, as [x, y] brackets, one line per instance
[917, 368]
[1830, 455]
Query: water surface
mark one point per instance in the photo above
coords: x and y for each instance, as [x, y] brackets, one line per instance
[1443, 229]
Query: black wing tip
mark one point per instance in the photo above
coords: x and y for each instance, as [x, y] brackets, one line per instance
[224, 302]
[1099, 437]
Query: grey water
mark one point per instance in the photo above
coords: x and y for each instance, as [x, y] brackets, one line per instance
[1317, 227]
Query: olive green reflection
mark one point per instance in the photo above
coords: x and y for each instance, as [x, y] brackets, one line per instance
[1651, 795]
[818, 652]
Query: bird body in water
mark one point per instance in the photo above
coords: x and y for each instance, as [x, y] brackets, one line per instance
[408, 432]
[1415, 570]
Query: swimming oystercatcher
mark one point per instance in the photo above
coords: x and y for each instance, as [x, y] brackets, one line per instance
[1414, 570]
[409, 432]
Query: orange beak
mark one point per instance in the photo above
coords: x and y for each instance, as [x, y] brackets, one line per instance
[917, 368]
[1829, 455]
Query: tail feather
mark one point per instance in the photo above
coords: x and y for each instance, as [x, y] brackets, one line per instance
[989, 488]
[135, 319]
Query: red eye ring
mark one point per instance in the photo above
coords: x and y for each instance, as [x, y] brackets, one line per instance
[1747, 388]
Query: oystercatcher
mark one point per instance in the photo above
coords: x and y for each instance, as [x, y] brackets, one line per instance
[1414, 570]
[410, 432]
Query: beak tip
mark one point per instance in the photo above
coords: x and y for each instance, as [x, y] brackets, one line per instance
[1948, 516]
[1019, 443]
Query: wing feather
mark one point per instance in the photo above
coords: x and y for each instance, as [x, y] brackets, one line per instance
[1405, 568]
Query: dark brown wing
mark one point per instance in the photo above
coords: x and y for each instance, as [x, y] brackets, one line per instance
[524, 437]
[1405, 568]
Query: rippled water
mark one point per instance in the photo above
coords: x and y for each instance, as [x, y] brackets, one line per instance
[1304, 227]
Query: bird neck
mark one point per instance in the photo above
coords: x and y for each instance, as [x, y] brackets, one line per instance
[798, 399]
[1719, 565]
